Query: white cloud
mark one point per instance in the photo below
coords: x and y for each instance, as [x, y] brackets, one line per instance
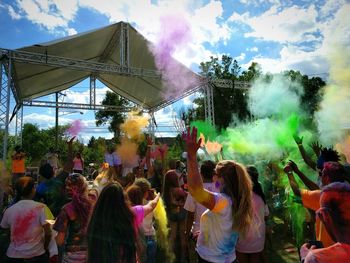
[280, 25]
[241, 57]
[253, 49]
[13, 13]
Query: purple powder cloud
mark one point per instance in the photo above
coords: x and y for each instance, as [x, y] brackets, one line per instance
[75, 128]
[175, 33]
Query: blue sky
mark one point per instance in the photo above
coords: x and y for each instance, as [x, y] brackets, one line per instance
[279, 35]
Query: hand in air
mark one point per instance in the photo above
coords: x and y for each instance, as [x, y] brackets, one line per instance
[297, 139]
[316, 147]
[190, 139]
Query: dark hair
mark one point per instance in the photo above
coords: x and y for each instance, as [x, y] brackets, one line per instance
[111, 233]
[170, 181]
[144, 184]
[135, 195]
[46, 171]
[254, 175]
[327, 155]
[208, 169]
[18, 148]
[24, 187]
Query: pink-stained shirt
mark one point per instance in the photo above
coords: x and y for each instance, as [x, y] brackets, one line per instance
[337, 253]
[139, 215]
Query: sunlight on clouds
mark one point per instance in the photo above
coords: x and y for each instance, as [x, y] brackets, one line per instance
[288, 25]
[13, 13]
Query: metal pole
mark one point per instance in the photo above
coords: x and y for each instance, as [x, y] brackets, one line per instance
[9, 83]
[56, 122]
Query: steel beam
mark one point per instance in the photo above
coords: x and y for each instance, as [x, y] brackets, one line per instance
[76, 64]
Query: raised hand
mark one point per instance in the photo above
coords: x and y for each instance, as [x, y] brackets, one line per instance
[297, 139]
[316, 147]
[190, 139]
[293, 165]
[288, 168]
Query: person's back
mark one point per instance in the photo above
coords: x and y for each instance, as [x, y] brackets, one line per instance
[334, 214]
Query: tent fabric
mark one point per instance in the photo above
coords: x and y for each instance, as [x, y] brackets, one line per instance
[36, 80]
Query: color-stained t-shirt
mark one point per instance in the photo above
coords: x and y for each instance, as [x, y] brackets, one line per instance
[217, 241]
[76, 239]
[337, 253]
[311, 200]
[25, 220]
[192, 205]
[254, 241]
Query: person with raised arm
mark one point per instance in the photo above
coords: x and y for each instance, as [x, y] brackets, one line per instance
[229, 213]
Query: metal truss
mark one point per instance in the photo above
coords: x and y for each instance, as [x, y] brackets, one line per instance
[209, 104]
[78, 106]
[5, 91]
[93, 91]
[19, 126]
[124, 44]
[76, 64]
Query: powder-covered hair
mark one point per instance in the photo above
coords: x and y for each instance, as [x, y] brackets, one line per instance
[334, 172]
[24, 187]
[238, 186]
[80, 201]
[336, 197]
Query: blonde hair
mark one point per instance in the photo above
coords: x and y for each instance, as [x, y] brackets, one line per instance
[238, 186]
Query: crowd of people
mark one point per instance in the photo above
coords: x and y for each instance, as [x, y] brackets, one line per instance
[214, 211]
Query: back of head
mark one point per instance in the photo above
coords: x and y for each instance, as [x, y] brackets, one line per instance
[170, 181]
[24, 187]
[135, 195]
[238, 186]
[336, 198]
[46, 171]
[144, 184]
[254, 176]
[172, 164]
[208, 169]
[111, 235]
[334, 172]
[327, 155]
[17, 148]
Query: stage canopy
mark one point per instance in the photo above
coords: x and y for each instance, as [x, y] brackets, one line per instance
[140, 82]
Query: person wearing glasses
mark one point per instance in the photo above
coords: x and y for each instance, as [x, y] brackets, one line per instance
[71, 223]
[229, 213]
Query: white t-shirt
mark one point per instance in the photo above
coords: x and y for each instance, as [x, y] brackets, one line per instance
[255, 240]
[25, 220]
[192, 205]
[217, 241]
[147, 223]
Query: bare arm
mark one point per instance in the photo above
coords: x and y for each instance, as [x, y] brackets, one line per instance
[194, 180]
[151, 205]
[307, 159]
[68, 166]
[292, 182]
[309, 184]
[189, 222]
[47, 239]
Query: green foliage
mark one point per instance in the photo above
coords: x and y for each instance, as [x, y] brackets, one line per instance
[112, 117]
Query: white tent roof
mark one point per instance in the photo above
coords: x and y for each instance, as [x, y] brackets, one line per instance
[36, 80]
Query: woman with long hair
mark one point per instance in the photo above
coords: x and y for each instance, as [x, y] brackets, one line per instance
[78, 163]
[250, 248]
[113, 228]
[174, 199]
[71, 223]
[229, 212]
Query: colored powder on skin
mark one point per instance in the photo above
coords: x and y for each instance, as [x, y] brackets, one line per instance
[175, 33]
[127, 150]
[75, 128]
[160, 151]
[162, 232]
[133, 125]
[201, 136]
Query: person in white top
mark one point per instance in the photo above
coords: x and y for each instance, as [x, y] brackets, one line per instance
[195, 209]
[229, 212]
[250, 248]
[27, 221]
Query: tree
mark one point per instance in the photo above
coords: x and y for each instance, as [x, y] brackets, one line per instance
[114, 118]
